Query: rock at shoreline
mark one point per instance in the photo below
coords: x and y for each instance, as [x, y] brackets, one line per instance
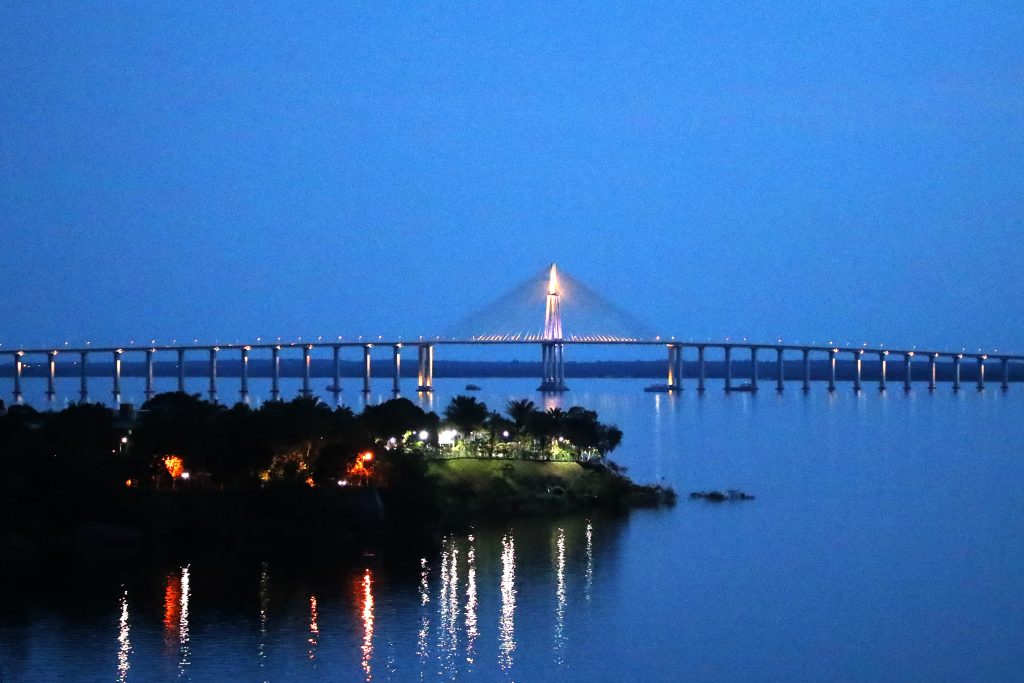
[719, 497]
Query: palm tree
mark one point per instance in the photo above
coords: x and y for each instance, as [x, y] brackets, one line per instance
[520, 411]
[466, 413]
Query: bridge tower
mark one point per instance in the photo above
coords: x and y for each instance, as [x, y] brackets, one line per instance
[552, 348]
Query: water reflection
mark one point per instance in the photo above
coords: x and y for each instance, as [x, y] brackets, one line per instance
[368, 621]
[472, 630]
[124, 644]
[506, 623]
[183, 633]
[560, 597]
[448, 631]
[314, 628]
[422, 649]
[264, 606]
[588, 583]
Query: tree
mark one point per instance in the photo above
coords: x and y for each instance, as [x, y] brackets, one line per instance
[466, 414]
[521, 411]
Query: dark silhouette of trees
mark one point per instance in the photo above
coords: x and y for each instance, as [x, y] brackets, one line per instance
[466, 413]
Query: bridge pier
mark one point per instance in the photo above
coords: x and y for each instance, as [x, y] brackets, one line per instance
[674, 368]
[1006, 374]
[728, 367]
[981, 372]
[396, 387]
[553, 365]
[956, 371]
[907, 359]
[807, 370]
[306, 362]
[701, 369]
[932, 370]
[83, 381]
[18, 364]
[181, 371]
[51, 374]
[275, 373]
[336, 361]
[243, 389]
[117, 375]
[425, 369]
[883, 361]
[149, 373]
[213, 374]
[366, 368]
[780, 372]
[858, 363]
[832, 369]
[753, 368]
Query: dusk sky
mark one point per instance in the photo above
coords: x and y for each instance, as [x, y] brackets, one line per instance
[848, 171]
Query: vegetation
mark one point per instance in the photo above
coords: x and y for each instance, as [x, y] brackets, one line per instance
[286, 463]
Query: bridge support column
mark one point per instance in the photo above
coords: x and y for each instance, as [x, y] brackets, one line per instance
[932, 371]
[306, 362]
[753, 368]
[149, 374]
[117, 375]
[956, 371]
[553, 365]
[243, 389]
[396, 386]
[83, 381]
[728, 367]
[336, 360]
[701, 369]
[807, 370]
[366, 368]
[883, 362]
[981, 372]
[18, 365]
[832, 369]
[425, 368]
[907, 359]
[275, 373]
[858, 363]
[780, 372]
[213, 374]
[51, 374]
[673, 368]
[1006, 374]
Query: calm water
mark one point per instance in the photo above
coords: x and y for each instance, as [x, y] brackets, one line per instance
[886, 543]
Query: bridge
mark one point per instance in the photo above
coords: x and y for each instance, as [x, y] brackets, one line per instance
[552, 338]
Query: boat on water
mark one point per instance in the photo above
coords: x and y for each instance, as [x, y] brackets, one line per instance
[472, 387]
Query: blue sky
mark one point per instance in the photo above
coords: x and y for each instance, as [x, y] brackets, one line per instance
[846, 171]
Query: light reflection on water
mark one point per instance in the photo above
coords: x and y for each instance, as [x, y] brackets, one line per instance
[123, 640]
[507, 626]
[867, 505]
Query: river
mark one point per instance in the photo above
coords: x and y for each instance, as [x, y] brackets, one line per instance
[886, 542]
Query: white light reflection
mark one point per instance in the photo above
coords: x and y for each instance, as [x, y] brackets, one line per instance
[421, 641]
[367, 614]
[506, 624]
[314, 628]
[264, 599]
[183, 637]
[448, 634]
[560, 595]
[589, 583]
[124, 648]
[472, 631]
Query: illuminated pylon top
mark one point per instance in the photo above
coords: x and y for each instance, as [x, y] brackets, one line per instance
[552, 310]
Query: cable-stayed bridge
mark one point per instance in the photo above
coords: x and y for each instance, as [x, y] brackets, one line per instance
[551, 310]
